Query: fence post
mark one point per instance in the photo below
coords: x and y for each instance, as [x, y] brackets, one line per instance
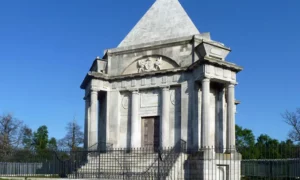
[159, 159]
[158, 165]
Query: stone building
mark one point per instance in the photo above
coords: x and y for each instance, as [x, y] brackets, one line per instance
[165, 82]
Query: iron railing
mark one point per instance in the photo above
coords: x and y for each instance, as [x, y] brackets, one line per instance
[101, 146]
[150, 163]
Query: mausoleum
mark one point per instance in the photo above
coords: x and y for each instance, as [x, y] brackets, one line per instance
[165, 82]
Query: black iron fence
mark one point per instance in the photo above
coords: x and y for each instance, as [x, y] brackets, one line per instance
[155, 163]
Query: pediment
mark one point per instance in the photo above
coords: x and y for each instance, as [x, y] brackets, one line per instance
[150, 64]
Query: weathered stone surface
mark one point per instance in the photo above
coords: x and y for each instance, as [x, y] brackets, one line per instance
[166, 19]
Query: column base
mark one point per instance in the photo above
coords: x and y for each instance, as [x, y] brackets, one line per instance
[230, 151]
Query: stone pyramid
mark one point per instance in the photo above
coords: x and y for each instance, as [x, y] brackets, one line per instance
[166, 19]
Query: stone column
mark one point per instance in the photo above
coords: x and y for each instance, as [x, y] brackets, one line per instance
[230, 118]
[93, 119]
[86, 121]
[165, 117]
[135, 121]
[206, 141]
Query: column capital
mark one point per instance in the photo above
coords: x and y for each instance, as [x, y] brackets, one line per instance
[231, 84]
[206, 79]
[165, 88]
[94, 91]
[135, 91]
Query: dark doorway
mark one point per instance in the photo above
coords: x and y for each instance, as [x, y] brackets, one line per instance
[150, 132]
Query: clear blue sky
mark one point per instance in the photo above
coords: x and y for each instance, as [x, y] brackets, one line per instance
[47, 47]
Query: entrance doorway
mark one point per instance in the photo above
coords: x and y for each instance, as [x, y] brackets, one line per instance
[150, 132]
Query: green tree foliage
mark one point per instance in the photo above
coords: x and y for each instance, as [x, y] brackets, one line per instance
[40, 138]
[27, 138]
[268, 147]
[244, 137]
[37, 143]
[289, 149]
[52, 144]
[245, 142]
[264, 147]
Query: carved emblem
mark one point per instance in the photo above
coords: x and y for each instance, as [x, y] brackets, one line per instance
[125, 101]
[149, 64]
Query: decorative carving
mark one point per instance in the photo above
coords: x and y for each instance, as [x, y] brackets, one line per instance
[149, 64]
[125, 102]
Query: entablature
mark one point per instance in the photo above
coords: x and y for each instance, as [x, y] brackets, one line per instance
[216, 70]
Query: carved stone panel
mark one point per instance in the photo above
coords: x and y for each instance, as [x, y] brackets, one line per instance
[149, 64]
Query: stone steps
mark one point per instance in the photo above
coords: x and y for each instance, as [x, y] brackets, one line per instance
[133, 166]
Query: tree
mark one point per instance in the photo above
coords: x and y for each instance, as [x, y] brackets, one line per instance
[293, 119]
[40, 138]
[288, 149]
[74, 137]
[10, 133]
[268, 147]
[245, 142]
[264, 147]
[27, 139]
[52, 144]
[244, 137]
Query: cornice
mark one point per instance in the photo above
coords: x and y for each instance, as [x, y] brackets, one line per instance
[150, 46]
[96, 75]
[220, 63]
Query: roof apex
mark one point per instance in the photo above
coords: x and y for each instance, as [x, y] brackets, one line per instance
[166, 19]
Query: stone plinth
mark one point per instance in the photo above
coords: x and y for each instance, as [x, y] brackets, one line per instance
[207, 165]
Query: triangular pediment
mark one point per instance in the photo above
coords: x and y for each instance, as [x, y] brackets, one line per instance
[166, 19]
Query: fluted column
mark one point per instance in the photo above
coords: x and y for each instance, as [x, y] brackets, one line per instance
[165, 117]
[93, 119]
[230, 118]
[86, 122]
[207, 142]
[135, 121]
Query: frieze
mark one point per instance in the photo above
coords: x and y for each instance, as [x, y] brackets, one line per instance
[220, 73]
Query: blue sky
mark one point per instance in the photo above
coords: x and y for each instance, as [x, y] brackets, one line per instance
[47, 47]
